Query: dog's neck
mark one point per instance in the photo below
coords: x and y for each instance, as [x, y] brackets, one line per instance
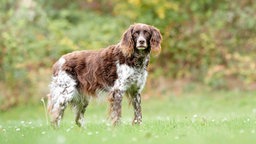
[138, 59]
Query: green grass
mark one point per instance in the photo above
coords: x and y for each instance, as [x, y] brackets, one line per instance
[220, 117]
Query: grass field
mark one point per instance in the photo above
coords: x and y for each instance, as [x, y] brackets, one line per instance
[219, 117]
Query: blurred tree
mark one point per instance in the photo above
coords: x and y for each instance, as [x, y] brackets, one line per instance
[212, 42]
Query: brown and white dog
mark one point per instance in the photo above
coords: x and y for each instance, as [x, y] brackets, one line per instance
[118, 69]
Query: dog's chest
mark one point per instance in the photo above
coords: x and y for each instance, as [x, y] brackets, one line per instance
[130, 76]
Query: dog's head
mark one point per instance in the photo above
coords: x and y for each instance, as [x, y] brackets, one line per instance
[141, 37]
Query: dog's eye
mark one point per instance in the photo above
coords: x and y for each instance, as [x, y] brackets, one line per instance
[146, 33]
[136, 33]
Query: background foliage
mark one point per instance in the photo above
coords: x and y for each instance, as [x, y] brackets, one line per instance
[208, 42]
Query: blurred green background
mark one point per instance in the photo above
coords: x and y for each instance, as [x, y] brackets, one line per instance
[207, 44]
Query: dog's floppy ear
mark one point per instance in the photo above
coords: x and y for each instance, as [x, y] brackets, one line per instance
[127, 42]
[155, 41]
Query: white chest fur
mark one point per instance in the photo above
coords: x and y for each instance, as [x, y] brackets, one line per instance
[130, 76]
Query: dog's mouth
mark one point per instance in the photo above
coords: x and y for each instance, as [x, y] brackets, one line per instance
[141, 47]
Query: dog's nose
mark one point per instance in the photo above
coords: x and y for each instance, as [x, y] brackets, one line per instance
[141, 41]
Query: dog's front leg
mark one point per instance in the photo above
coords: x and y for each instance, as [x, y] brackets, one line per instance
[136, 101]
[115, 106]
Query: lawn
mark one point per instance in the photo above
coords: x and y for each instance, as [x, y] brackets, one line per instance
[207, 117]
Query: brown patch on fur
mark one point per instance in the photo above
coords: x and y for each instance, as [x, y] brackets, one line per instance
[93, 69]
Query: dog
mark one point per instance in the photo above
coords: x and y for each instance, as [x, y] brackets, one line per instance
[118, 70]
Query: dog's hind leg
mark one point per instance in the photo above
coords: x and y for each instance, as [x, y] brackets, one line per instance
[79, 108]
[63, 90]
[56, 111]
